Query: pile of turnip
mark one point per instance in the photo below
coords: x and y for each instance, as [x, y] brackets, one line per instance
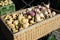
[5, 2]
[20, 21]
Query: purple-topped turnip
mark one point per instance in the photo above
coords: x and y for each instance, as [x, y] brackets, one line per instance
[32, 13]
[37, 10]
[39, 6]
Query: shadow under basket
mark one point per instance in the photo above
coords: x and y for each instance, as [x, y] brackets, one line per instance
[35, 31]
[57, 34]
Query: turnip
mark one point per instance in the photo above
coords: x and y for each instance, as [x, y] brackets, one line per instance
[37, 18]
[10, 2]
[9, 22]
[32, 21]
[20, 17]
[29, 9]
[17, 27]
[14, 30]
[39, 6]
[6, 2]
[24, 20]
[21, 28]
[12, 26]
[37, 10]
[25, 25]
[42, 15]
[29, 17]
[32, 13]
[2, 3]
[53, 13]
[15, 22]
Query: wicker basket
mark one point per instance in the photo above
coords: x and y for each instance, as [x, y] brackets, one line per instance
[34, 32]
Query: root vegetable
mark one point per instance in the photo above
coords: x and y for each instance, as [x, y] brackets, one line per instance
[9, 22]
[24, 20]
[25, 25]
[39, 6]
[37, 18]
[14, 30]
[20, 17]
[10, 2]
[12, 26]
[6, 17]
[17, 27]
[6, 2]
[21, 28]
[43, 8]
[32, 22]
[49, 11]
[53, 13]
[29, 9]
[50, 15]
[29, 17]
[42, 15]
[37, 10]
[32, 13]
[46, 13]
[15, 22]
[14, 15]
[41, 19]
[47, 5]
[2, 3]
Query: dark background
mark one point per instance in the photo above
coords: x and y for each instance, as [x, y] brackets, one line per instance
[54, 3]
[19, 4]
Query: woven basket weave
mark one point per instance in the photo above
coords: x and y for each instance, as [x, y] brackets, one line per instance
[35, 31]
[39, 30]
